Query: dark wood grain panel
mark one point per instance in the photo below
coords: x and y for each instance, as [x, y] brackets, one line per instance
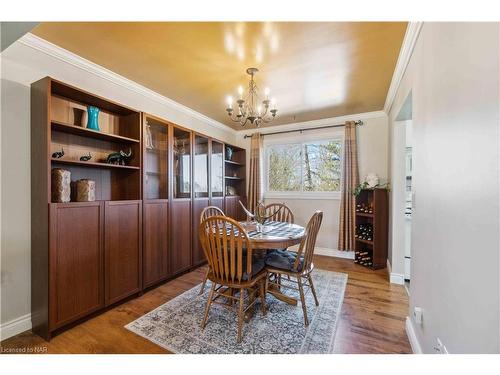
[156, 249]
[40, 196]
[76, 261]
[180, 227]
[232, 206]
[217, 202]
[198, 206]
[123, 248]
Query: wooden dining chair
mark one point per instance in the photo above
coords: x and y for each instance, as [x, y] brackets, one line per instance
[296, 266]
[206, 213]
[231, 268]
[279, 212]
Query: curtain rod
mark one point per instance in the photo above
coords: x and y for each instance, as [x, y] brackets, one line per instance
[358, 123]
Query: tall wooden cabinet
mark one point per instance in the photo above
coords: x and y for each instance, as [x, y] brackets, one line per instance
[156, 220]
[142, 228]
[85, 255]
[235, 181]
[201, 187]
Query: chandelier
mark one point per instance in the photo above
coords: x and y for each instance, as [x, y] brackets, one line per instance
[249, 108]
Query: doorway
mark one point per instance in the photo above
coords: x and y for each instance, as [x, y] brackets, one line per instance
[402, 194]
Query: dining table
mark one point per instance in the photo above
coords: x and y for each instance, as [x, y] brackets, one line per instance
[272, 235]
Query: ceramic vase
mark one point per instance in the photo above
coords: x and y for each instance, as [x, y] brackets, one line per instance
[92, 118]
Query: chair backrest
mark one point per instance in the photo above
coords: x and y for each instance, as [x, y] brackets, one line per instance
[279, 212]
[308, 243]
[223, 240]
[211, 211]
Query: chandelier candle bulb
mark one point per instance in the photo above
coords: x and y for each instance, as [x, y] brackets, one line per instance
[240, 91]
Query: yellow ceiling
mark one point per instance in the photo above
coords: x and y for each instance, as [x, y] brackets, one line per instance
[314, 70]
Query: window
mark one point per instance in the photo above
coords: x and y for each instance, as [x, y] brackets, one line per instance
[306, 168]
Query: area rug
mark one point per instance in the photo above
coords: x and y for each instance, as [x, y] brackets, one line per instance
[175, 325]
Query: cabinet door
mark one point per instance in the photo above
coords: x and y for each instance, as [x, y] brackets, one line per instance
[231, 208]
[198, 254]
[122, 246]
[240, 213]
[218, 202]
[155, 136]
[180, 226]
[155, 251]
[217, 170]
[76, 261]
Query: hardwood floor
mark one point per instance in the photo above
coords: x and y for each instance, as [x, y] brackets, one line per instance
[372, 321]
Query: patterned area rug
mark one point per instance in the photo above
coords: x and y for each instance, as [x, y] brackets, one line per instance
[175, 325]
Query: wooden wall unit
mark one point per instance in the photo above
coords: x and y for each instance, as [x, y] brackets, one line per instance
[142, 228]
[69, 268]
[372, 211]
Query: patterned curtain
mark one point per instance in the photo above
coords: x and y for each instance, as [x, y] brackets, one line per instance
[350, 179]
[254, 193]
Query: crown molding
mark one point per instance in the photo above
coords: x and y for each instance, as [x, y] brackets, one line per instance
[315, 123]
[409, 41]
[79, 62]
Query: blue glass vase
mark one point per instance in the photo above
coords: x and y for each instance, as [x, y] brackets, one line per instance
[92, 117]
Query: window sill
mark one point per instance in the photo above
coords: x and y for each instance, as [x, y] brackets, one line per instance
[303, 196]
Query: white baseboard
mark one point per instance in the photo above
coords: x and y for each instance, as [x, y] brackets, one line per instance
[397, 278]
[15, 327]
[334, 253]
[412, 337]
[328, 252]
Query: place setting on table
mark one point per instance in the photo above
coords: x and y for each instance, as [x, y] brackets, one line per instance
[247, 261]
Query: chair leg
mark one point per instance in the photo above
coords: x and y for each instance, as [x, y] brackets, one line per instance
[240, 315]
[309, 277]
[207, 307]
[302, 300]
[262, 288]
[204, 281]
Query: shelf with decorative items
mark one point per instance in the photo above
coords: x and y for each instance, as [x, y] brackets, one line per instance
[234, 180]
[92, 138]
[371, 225]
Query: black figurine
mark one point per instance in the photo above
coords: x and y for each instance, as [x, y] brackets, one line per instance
[119, 158]
[58, 154]
[86, 157]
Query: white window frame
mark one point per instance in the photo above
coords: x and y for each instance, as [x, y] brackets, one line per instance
[298, 138]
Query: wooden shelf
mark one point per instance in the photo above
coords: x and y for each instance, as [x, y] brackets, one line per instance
[364, 241]
[364, 214]
[234, 163]
[93, 164]
[233, 178]
[79, 130]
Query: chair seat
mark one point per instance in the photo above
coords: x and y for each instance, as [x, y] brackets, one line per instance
[284, 260]
[257, 266]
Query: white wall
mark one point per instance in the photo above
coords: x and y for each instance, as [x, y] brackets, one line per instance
[454, 78]
[22, 65]
[398, 198]
[373, 157]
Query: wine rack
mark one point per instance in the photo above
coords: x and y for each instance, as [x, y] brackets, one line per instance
[371, 228]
